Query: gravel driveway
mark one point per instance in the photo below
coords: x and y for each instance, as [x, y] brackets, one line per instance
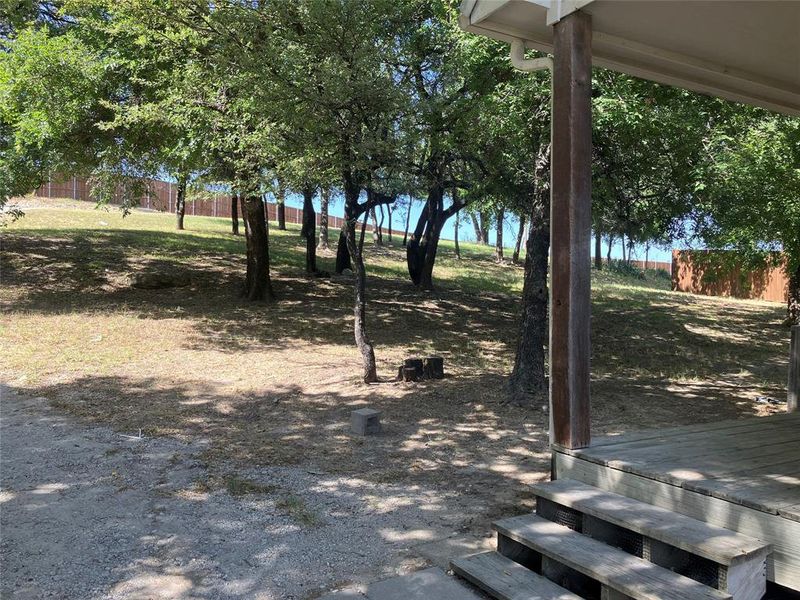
[89, 513]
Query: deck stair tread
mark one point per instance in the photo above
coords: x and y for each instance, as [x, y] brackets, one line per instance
[610, 566]
[506, 580]
[702, 539]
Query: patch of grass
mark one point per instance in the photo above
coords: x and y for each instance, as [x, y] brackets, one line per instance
[239, 486]
[296, 508]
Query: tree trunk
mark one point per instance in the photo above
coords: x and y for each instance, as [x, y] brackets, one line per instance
[360, 286]
[308, 230]
[235, 214]
[610, 245]
[520, 235]
[258, 285]
[528, 383]
[376, 230]
[389, 228]
[646, 255]
[351, 193]
[498, 244]
[624, 256]
[793, 307]
[244, 214]
[484, 227]
[455, 237]
[324, 202]
[408, 221]
[280, 207]
[477, 226]
[380, 225]
[598, 259]
[180, 202]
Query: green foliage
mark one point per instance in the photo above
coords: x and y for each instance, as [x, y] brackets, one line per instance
[50, 108]
[748, 192]
[626, 269]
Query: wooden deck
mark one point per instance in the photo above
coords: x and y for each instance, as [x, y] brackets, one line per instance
[743, 475]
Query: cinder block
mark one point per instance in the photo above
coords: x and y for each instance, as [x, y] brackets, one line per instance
[365, 421]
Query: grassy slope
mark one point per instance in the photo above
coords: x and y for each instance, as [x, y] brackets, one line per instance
[259, 379]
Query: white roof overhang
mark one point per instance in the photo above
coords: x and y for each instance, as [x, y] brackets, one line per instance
[743, 50]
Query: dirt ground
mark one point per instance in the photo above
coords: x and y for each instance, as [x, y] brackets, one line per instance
[256, 386]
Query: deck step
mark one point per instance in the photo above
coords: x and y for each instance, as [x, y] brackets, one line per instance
[615, 569]
[504, 579]
[719, 545]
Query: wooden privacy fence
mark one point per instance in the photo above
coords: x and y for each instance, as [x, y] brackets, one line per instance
[161, 196]
[718, 273]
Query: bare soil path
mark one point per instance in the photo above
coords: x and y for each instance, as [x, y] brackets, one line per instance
[94, 514]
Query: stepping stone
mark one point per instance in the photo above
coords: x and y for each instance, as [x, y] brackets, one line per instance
[428, 584]
[441, 552]
[344, 595]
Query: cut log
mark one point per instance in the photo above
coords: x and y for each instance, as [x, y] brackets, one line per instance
[416, 364]
[433, 367]
[409, 374]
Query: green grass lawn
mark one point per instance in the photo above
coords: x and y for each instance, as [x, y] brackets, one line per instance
[274, 383]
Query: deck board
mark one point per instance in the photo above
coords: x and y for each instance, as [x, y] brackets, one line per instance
[744, 475]
[753, 462]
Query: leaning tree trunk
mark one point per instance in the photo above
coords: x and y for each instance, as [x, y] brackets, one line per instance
[360, 306]
[180, 202]
[308, 230]
[498, 246]
[598, 250]
[234, 214]
[518, 244]
[793, 306]
[325, 200]
[528, 383]
[477, 226]
[258, 285]
[431, 248]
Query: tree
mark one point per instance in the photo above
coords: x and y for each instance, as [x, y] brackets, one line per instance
[52, 105]
[332, 88]
[647, 143]
[325, 201]
[520, 237]
[748, 192]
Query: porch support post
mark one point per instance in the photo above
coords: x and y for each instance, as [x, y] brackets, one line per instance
[793, 401]
[570, 232]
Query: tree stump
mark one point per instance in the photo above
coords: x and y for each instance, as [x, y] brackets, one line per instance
[433, 367]
[409, 374]
[416, 364]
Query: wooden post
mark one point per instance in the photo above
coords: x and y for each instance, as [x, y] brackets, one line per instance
[570, 231]
[793, 400]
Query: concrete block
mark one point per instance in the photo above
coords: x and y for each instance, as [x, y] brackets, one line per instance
[430, 584]
[365, 421]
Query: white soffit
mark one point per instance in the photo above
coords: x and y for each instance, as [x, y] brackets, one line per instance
[742, 50]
